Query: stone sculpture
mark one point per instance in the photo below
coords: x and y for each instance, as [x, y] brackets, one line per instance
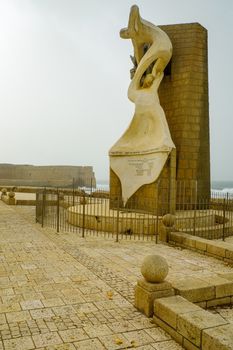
[139, 156]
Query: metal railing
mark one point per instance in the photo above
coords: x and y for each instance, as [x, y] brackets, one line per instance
[93, 215]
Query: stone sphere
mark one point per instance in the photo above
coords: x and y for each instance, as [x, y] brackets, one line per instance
[4, 191]
[11, 194]
[169, 220]
[154, 268]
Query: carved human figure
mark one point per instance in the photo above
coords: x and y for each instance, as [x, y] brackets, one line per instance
[139, 156]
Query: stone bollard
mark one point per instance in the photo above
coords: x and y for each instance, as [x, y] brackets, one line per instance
[154, 270]
[168, 221]
[4, 193]
[11, 198]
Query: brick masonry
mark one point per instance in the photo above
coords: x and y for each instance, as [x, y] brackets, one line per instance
[184, 98]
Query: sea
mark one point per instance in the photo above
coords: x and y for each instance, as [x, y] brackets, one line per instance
[219, 187]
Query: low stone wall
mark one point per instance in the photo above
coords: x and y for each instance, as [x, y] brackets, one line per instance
[178, 306]
[191, 326]
[216, 249]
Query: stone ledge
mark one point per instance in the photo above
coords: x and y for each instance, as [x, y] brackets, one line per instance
[194, 289]
[220, 337]
[219, 250]
[191, 326]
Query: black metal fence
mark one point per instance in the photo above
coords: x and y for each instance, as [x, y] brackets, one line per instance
[91, 215]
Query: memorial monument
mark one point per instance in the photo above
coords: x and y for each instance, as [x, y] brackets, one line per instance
[158, 148]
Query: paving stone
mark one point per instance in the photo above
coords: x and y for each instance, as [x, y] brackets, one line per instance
[138, 338]
[52, 302]
[18, 316]
[41, 313]
[9, 307]
[60, 347]
[157, 334]
[90, 344]
[31, 304]
[2, 319]
[24, 343]
[94, 332]
[71, 335]
[167, 345]
[46, 339]
[115, 341]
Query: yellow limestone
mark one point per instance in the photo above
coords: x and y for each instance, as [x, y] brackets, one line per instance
[139, 156]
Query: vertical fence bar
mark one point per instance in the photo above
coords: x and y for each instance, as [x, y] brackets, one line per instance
[58, 211]
[83, 223]
[224, 216]
[195, 210]
[37, 206]
[117, 223]
[43, 208]
[73, 192]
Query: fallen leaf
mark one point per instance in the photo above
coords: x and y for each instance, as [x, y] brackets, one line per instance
[118, 341]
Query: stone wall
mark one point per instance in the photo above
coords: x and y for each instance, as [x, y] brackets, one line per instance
[30, 175]
[184, 98]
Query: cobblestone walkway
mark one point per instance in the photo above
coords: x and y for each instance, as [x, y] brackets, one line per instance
[55, 293]
[60, 291]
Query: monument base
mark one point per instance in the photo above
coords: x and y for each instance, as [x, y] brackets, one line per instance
[158, 198]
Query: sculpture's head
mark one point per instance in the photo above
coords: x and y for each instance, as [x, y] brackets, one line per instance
[134, 22]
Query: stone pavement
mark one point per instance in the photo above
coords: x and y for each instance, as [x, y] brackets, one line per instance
[59, 291]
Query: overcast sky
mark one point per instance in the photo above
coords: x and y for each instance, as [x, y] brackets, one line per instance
[64, 75]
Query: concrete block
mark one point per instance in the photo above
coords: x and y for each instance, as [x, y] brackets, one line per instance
[229, 253]
[167, 309]
[144, 298]
[173, 333]
[227, 275]
[154, 287]
[218, 338]
[223, 287]
[217, 248]
[190, 242]
[194, 289]
[201, 244]
[191, 324]
[218, 302]
[177, 237]
[201, 304]
[189, 346]
[229, 261]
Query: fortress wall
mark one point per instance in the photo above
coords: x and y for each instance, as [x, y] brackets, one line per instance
[30, 175]
[184, 97]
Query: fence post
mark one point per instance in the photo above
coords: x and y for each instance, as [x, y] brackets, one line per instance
[58, 211]
[37, 206]
[117, 224]
[73, 191]
[43, 207]
[224, 216]
[195, 210]
[84, 207]
[157, 214]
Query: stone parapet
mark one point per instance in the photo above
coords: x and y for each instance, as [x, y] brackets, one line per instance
[191, 326]
[217, 249]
